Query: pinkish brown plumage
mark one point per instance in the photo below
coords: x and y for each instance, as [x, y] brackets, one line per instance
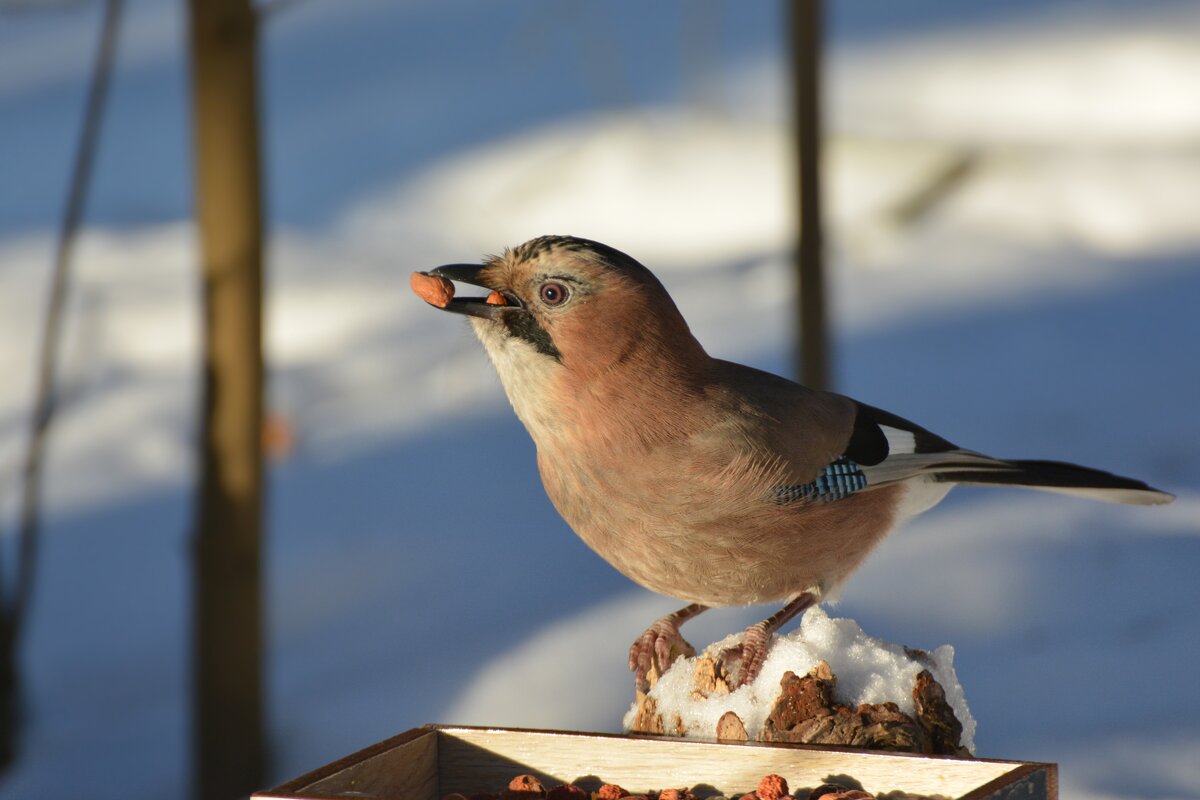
[701, 479]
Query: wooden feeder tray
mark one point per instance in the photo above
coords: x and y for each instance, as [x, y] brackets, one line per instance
[429, 762]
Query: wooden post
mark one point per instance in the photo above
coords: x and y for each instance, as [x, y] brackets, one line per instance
[805, 33]
[228, 727]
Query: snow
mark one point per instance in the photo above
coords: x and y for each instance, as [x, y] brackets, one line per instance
[868, 670]
[1044, 307]
[1111, 77]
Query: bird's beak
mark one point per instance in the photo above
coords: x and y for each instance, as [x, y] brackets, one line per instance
[497, 303]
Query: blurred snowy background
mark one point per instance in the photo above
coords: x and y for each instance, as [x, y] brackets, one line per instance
[1046, 305]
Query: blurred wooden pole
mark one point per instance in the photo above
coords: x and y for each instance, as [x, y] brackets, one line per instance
[227, 700]
[805, 22]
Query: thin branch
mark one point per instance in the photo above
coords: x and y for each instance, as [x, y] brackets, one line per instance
[44, 402]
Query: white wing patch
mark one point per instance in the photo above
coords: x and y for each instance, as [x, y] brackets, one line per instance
[899, 441]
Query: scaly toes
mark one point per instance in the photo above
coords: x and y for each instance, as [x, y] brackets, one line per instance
[668, 648]
[751, 653]
[657, 649]
[641, 654]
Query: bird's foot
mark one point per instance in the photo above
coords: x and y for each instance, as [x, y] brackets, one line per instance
[750, 655]
[657, 648]
[756, 640]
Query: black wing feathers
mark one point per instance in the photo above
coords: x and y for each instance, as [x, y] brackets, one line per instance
[868, 445]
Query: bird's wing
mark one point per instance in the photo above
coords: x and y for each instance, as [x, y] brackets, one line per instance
[779, 420]
[830, 447]
[882, 449]
[885, 449]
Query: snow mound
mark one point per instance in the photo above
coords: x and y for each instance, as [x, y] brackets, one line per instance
[868, 670]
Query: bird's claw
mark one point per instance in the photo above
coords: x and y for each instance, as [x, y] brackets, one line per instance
[656, 649]
[750, 655]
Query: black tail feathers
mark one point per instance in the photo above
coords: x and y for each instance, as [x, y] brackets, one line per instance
[1059, 476]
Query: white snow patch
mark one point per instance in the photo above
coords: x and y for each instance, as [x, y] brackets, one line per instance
[607, 176]
[1120, 77]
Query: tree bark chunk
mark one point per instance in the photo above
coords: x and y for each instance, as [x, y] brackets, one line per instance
[731, 729]
[936, 716]
[805, 712]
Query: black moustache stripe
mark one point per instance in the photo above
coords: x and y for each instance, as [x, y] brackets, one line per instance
[524, 326]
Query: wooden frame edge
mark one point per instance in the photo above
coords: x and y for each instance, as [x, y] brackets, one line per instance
[996, 788]
[1021, 770]
[285, 790]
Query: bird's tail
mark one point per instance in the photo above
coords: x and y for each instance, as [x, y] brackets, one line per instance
[1055, 476]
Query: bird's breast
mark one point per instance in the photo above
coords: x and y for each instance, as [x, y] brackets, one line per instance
[717, 539]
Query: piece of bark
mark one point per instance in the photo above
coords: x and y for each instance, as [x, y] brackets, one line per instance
[936, 717]
[709, 679]
[871, 726]
[805, 712]
[801, 700]
[647, 719]
[731, 729]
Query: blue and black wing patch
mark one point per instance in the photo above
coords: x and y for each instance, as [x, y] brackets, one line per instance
[840, 479]
[877, 435]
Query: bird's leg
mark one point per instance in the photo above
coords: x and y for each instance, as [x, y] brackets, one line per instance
[757, 638]
[654, 647]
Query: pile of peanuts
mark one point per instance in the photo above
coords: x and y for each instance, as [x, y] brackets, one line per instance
[771, 787]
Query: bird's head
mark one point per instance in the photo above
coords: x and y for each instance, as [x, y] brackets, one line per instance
[573, 322]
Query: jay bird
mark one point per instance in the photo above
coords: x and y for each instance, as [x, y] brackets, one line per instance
[704, 480]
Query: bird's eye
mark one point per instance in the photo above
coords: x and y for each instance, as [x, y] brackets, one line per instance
[553, 294]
